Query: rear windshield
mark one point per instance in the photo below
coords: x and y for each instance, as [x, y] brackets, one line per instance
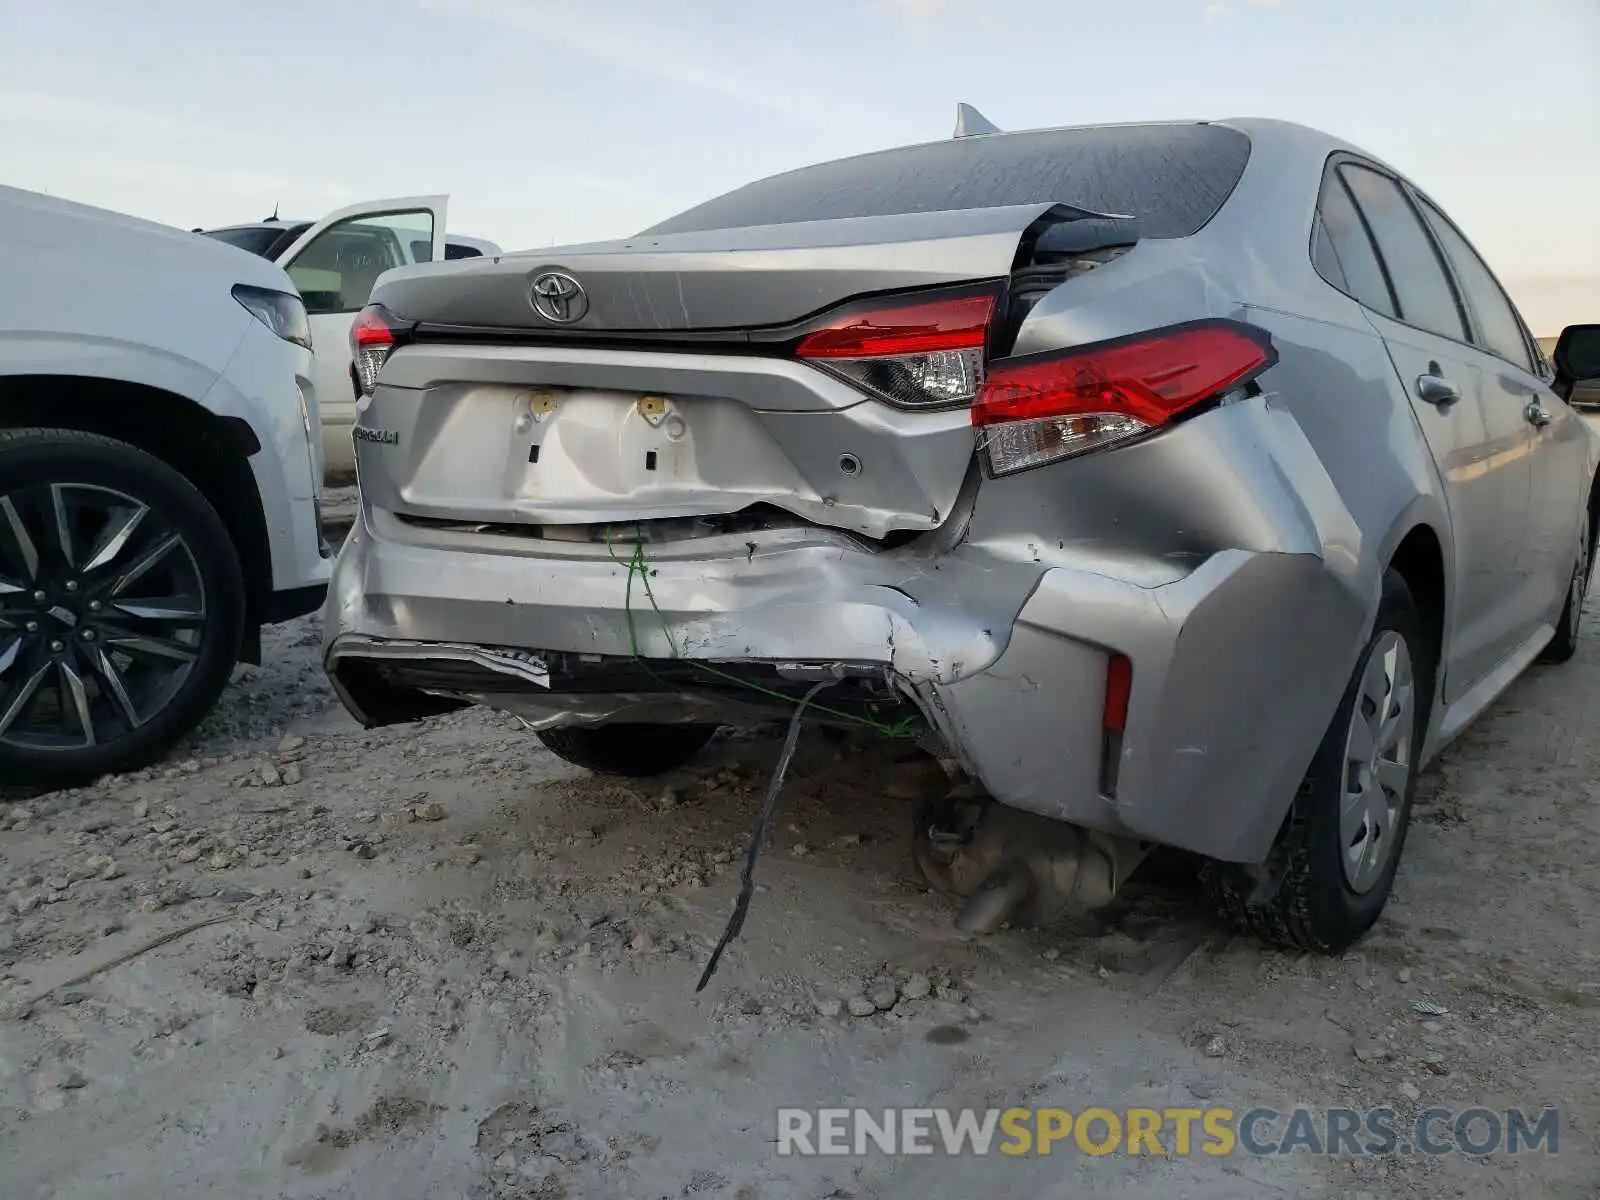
[1173, 178]
[255, 239]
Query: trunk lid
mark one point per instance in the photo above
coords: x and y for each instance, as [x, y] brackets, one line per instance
[729, 280]
[673, 395]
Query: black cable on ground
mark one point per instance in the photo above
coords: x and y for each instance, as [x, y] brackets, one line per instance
[747, 884]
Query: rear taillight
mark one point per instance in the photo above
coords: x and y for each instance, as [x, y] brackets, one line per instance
[1042, 408]
[373, 337]
[918, 353]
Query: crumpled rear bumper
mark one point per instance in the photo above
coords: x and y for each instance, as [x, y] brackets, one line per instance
[1007, 662]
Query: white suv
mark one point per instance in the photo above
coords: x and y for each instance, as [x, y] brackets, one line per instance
[158, 481]
[334, 262]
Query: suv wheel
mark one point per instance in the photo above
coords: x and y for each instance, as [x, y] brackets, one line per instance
[121, 606]
[1340, 846]
[632, 750]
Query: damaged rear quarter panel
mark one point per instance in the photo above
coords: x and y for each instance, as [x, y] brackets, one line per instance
[1237, 560]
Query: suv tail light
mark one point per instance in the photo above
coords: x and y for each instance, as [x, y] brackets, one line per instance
[373, 337]
[1042, 408]
[919, 353]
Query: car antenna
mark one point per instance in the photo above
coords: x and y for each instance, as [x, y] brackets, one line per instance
[274, 215]
[970, 122]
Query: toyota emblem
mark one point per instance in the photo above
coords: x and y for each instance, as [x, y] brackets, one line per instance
[559, 298]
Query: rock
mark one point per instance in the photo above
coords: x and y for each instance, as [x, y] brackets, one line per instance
[1052, 954]
[219, 862]
[642, 943]
[101, 866]
[1403, 974]
[189, 853]
[431, 811]
[506, 1162]
[953, 994]
[141, 809]
[916, 988]
[364, 850]
[25, 902]
[1410, 1090]
[164, 825]
[291, 742]
[232, 895]
[292, 774]
[1216, 1047]
[670, 798]
[302, 872]
[342, 952]
[860, 1006]
[1370, 1052]
[268, 776]
[849, 839]
[883, 998]
[800, 850]
[829, 1007]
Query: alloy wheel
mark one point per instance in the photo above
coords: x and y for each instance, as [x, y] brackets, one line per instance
[1378, 762]
[102, 613]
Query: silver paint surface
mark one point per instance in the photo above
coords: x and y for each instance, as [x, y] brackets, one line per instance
[1236, 558]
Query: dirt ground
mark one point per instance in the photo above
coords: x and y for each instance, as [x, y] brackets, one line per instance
[441, 963]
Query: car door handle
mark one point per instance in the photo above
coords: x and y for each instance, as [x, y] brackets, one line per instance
[1437, 390]
[1538, 416]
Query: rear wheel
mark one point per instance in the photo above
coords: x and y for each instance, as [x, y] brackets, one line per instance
[635, 751]
[1565, 643]
[121, 606]
[1339, 849]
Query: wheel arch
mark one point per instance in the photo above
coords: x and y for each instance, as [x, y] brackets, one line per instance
[1420, 556]
[209, 450]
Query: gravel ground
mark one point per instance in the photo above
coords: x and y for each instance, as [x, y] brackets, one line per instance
[438, 962]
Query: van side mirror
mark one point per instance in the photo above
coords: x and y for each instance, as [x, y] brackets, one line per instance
[1577, 363]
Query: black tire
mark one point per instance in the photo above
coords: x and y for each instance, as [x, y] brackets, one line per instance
[634, 751]
[31, 458]
[1565, 642]
[1313, 906]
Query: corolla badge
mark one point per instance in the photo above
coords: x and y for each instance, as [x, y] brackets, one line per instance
[559, 297]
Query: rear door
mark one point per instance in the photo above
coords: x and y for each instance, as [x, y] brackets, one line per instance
[334, 264]
[1517, 377]
[1480, 443]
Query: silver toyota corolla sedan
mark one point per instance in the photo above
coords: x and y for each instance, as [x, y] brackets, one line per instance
[1187, 484]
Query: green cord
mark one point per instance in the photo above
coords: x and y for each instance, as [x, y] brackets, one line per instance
[638, 564]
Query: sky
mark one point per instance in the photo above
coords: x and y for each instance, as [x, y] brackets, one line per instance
[550, 121]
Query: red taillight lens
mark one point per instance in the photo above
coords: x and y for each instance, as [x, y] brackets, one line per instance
[373, 338]
[921, 353]
[1040, 409]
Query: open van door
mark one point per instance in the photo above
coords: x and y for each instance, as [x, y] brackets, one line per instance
[334, 264]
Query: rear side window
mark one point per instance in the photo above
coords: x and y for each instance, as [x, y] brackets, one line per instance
[256, 239]
[1342, 251]
[457, 250]
[1172, 178]
[1501, 328]
[1423, 290]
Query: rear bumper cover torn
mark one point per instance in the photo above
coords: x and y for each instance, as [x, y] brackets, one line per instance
[1218, 724]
